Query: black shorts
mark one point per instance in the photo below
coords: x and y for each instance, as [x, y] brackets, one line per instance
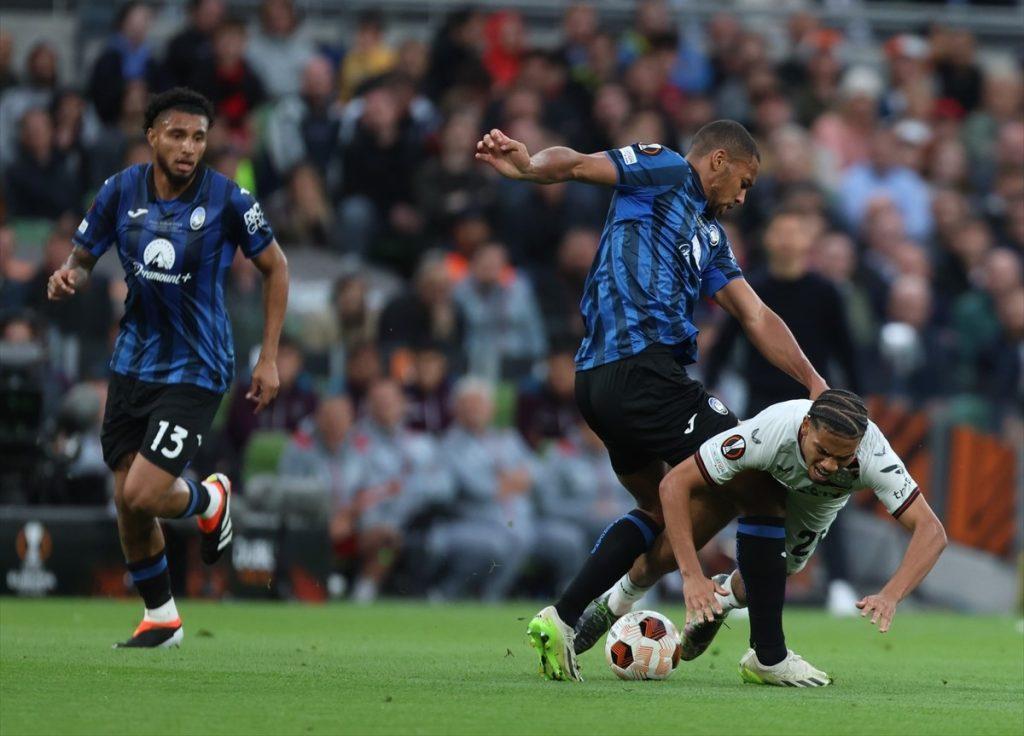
[645, 408]
[165, 422]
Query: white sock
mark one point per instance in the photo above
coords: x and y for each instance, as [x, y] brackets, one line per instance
[727, 602]
[215, 499]
[624, 594]
[162, 614]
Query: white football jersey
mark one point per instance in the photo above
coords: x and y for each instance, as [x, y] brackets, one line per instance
[769, 442]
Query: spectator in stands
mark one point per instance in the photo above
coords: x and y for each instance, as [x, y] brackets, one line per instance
[76, 134]
[362, 368]
[127, 58]
[912, 361]
[14, 275]
[578, 485]
[959, 75]
[451, 182]
[1002, 99]
[295, 401]
[41, 182]
[976, 319]
[808, 303]
[81, 331]
[108, 148]
[882, 176]
[403, 474]
[560, 290]
[504, 329]
[280, 48]
[846, 131]
[320, 458]
[963, 253]
[427, 310]
[306, 128]
[230, 82]
[428, 392]
[456, 56]
[355, 319]
[36, 91]
[378, 164]
[490, 537]
[505, 39]
[192, 47]
[549, 412]
[301, 210]
[369, 56]
[244, 300]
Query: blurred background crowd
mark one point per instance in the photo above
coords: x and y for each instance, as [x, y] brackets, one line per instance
[427, 371]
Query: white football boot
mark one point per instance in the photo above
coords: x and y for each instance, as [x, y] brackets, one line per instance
[793, 671]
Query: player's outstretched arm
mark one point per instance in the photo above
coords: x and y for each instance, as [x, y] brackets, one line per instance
[698, 590]
[556, 164]
[70, 277]
[265, 382]
[927, 541]
[769, 334]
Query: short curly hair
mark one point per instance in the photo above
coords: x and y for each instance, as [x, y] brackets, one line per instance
[177, 98]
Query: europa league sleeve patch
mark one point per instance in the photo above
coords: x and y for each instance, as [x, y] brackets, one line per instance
[734, 447]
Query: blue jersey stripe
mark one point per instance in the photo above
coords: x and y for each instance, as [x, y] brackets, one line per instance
[647, 276]
[176, 255]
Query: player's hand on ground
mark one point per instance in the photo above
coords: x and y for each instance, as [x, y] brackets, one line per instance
[265, 384]
[699, 593]
[61, 284]
[508, 156]
[882, 609]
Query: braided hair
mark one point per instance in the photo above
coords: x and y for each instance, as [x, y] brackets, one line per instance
[841, 412]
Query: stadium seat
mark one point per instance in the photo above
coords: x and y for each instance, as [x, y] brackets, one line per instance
[263, 452]
[30, 237]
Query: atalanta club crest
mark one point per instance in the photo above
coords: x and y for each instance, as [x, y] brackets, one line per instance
[198, 218]
[713, 236]
[651, 149]
[717, 406]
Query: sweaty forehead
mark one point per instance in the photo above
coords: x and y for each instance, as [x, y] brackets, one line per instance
[836, 444]
[749, 168]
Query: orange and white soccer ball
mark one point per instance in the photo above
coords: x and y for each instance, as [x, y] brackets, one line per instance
[643, 645]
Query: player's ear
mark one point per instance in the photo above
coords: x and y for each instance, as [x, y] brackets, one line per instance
[719, 159]
[151, 136]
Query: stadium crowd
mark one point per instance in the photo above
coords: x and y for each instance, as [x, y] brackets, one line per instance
[431, 396]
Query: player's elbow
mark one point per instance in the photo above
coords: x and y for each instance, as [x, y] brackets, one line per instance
[939, 535]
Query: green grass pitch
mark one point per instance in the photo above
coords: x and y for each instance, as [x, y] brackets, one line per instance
[413, 668]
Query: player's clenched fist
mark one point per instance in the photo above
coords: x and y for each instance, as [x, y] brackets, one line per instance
[508, 156]
[61, 284]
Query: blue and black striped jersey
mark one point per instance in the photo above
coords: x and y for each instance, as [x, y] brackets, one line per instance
[176, 255]
[659, 254]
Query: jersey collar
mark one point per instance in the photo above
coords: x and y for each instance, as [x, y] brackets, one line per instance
[186, 197]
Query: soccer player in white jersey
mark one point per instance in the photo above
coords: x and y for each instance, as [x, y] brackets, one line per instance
[820, 453]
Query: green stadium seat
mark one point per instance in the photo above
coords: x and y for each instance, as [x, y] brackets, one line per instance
[30, 236]
[263, 452]
[505, 404]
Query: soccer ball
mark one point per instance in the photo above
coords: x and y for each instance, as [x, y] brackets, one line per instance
[643, 645]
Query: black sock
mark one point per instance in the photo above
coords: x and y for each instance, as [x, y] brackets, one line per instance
[152, 579]
[198, 499]
[761, 554]
[616, 549]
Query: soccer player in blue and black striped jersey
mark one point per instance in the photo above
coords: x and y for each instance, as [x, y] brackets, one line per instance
[175, 225]
[661, 250]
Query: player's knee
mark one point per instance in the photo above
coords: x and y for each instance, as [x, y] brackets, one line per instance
[137, 498]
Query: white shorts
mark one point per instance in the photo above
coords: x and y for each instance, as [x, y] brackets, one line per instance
[808, 519]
